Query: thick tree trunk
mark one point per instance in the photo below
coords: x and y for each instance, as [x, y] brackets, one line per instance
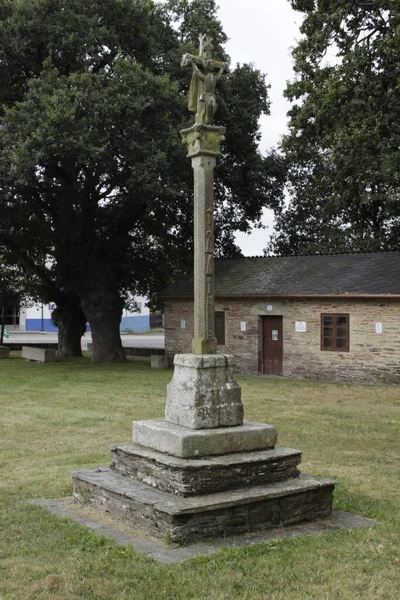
[3, 324]
[104, 312]
[71, 322]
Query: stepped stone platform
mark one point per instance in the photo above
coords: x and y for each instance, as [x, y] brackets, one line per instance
[204, 479]
[195, 477]
[204, 496]
[164, 515]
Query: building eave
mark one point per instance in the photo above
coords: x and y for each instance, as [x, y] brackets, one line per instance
[348, 296]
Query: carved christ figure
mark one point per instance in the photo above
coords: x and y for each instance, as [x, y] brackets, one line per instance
[206, 73]
[206, 102]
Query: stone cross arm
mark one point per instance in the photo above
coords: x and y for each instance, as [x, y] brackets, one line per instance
[189, 59]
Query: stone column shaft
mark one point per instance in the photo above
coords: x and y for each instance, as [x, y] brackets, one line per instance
[204, 341]
[203, 142]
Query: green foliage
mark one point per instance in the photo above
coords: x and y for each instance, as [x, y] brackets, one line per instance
[11, 283]
[85, 144]
[343, 145]
[93, 175]
[194, 18]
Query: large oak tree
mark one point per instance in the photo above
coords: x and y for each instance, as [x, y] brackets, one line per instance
[95, 188]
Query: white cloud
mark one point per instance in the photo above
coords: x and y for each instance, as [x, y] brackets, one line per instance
[263, 32]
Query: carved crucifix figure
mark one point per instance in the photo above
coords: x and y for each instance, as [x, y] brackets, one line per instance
[206, 73]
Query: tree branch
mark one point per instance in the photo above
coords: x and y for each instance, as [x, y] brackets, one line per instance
[29, 264]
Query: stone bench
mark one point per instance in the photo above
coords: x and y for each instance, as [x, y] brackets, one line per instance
[44, 355]
[4, 352]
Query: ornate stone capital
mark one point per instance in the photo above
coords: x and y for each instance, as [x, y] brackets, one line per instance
[203, 139]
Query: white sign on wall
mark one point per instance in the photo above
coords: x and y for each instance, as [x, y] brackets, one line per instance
[270, 307]
[301, 326]
[183, 324]
[243, 325]
[378, 328]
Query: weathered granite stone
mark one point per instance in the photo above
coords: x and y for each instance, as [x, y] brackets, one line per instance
[44, 355]
[203, 140]
[191, 477]
[160, 514]
[4, 352]
[158, 362]
[194, 443]
[203, 392]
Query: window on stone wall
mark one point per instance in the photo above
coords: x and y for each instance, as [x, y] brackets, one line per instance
[220, 328]
[335, 332]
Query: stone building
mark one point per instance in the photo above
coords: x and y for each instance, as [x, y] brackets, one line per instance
[327, 317]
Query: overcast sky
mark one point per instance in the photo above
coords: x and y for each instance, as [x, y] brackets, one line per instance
[263, 32]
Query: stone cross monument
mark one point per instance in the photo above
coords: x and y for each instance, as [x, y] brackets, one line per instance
[203, 140]
[203, 393]
[203, 471]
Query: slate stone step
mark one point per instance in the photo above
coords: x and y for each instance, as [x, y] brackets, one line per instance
[190, 477]
[183, 442]
[159, 514]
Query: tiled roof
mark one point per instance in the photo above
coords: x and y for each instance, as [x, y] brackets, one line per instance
[376, 273]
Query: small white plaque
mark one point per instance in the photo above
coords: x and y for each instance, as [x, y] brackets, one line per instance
[243, 325]
[275, 335]
[301, 326]
[378, 328]
[183, 324]
[270, 307]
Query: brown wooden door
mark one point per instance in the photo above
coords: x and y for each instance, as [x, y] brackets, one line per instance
[272, 346]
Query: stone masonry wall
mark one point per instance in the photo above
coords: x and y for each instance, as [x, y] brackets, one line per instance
[373, 357]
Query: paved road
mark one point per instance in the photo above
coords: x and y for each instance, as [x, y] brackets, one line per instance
[129, 341]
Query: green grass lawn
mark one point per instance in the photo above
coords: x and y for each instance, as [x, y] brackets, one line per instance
[57, 417]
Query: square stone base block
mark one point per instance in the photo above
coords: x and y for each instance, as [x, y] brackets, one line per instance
[199, 476]
[162, 515]
[193, 443]
[203, 392]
